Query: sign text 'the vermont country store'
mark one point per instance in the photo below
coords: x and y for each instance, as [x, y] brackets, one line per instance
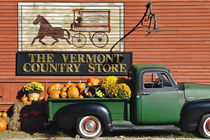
[66, 63]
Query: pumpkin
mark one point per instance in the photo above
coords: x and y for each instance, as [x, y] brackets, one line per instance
[63, 94]
[80, 96]
[30, 98]
[81, 86]
[4, 114]
[67, 85]
[73, 92]
[3, 125]
[93, 81]
[55, 94]
[41, 98]
[24, 99]
[52, 87]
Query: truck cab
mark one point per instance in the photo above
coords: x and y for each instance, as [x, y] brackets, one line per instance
[158, 99]
[157, 103]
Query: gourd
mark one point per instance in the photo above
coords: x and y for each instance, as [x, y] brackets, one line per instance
[63, 94]
[73, 92]
[3, 125]
[67, 85]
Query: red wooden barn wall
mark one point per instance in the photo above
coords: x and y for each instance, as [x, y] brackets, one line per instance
[183, 44]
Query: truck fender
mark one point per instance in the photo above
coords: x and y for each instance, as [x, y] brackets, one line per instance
[192, 112]
[67, 116]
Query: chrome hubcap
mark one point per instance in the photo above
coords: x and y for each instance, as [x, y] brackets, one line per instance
[90, 125]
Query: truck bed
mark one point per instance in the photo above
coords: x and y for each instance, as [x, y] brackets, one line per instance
[119, 108]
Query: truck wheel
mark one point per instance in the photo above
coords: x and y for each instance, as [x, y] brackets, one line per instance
[204, 126]
[89, 127]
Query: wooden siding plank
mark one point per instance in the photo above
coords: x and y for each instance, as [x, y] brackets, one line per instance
[183, 45]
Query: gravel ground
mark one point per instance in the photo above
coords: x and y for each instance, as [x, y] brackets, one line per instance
[136, 135]
[107, 138]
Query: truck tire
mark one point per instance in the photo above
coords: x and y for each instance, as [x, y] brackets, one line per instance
[204, 126]
[89, 127]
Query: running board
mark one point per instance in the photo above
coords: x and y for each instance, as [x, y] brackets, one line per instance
[145, 127]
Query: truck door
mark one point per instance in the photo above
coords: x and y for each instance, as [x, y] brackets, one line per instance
[160, 101]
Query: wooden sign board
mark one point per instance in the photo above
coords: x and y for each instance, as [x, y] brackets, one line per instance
[72, 63]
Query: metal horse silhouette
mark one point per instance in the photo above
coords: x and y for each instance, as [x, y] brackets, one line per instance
[47, 30]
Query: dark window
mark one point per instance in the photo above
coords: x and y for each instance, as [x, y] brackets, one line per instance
[156, 80]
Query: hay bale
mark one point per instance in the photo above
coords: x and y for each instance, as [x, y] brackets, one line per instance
[28, 116]
[14, 124]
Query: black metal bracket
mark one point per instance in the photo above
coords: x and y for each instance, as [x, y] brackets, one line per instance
[141, 22]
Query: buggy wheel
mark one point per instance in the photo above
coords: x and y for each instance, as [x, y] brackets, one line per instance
[79, 40]
[89, 127]
[100, 39]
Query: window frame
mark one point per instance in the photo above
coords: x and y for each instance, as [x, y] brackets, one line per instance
[170, 78]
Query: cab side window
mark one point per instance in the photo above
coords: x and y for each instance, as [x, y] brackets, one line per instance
[156, 80]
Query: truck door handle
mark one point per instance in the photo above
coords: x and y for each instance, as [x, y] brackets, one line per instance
[146, 93]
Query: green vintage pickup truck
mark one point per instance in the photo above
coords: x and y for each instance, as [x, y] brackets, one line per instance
[157, 103]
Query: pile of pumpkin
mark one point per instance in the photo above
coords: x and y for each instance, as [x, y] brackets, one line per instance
[3, 123]
[69, 89]
[30, 98]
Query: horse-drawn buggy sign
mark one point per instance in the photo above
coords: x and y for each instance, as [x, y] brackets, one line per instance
[95, 22]
[69, 26]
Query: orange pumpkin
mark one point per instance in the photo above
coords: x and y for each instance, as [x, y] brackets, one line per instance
[52, 87]
[41, 98]
[93, 81]
[80, 96]
[81, 86]
[55, 94]
[63, 94]
[30, 98]
[24, 99]
[67, 85]
[3, 125]
[4, 114]
[73, 92]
